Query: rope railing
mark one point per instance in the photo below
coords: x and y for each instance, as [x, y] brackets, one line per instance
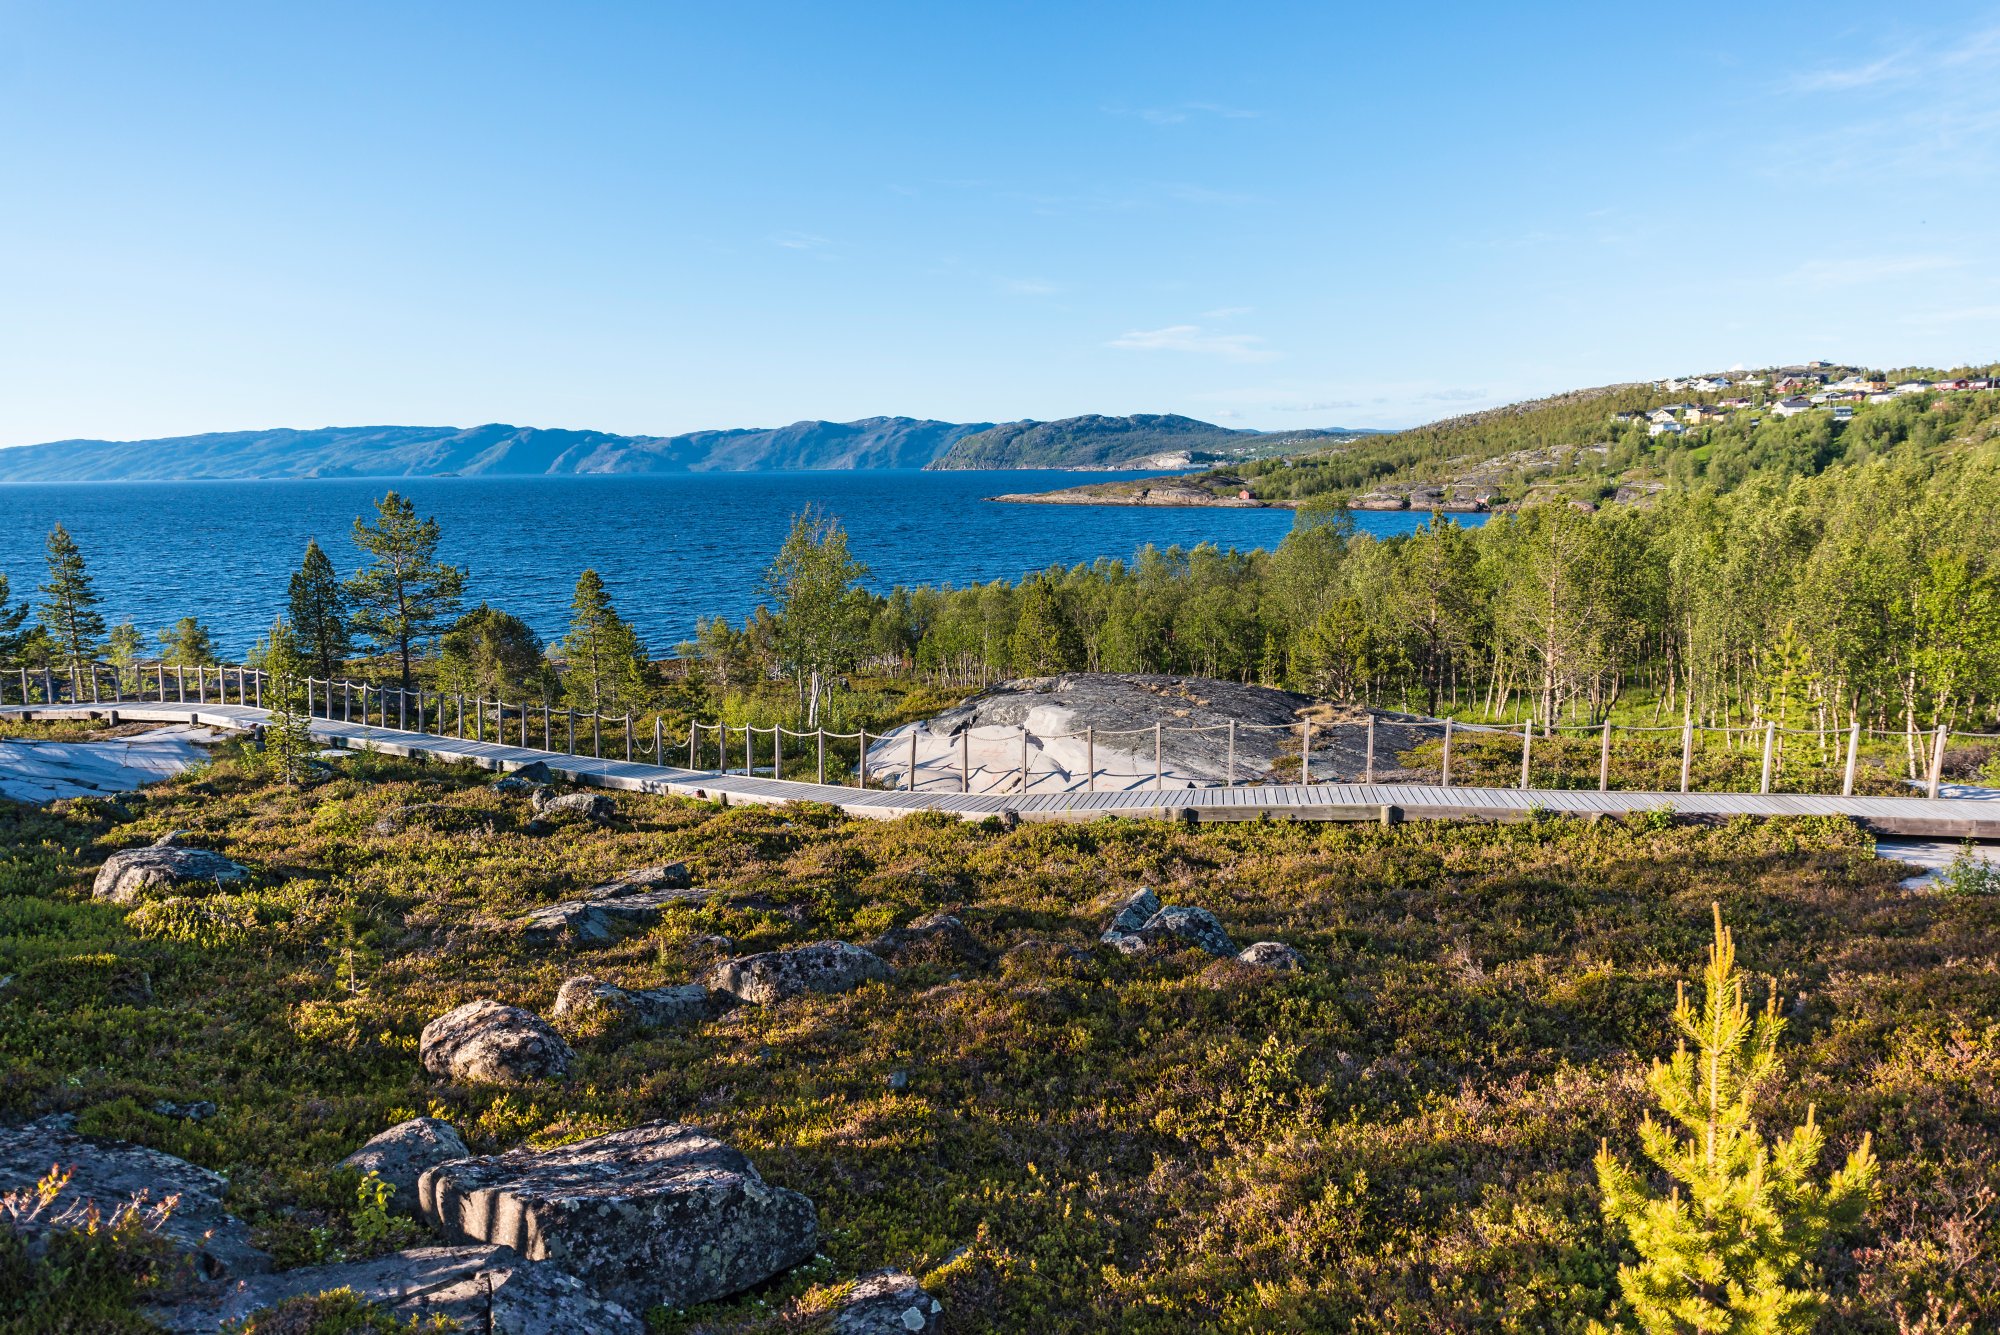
[752, 750]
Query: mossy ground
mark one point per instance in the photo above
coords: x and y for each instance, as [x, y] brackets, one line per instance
[1396, 1138]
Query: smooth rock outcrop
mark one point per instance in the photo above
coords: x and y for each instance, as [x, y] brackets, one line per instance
[1271, 955]
[400, 1155]
[486, 1042]
[775, 975]
[936, 938]
[888, 1302]
[1129, 915]
[1179, 925]
[657, 1214]
[492, 1290]
[584, 806]
[637, 898]
[584, 998]
[111, 1172]
[167, 866]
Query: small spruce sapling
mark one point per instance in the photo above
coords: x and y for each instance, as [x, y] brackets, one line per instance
[1733, 1245]
[288, 743]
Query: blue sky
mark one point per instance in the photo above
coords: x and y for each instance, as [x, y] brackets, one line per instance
[660, 217]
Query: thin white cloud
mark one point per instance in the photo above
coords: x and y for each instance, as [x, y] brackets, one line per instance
[1860, 270]
[1031, 287]
[800, 241]
[1840, 79]
[1179, 113]
[1193, 338]
[1226, 312]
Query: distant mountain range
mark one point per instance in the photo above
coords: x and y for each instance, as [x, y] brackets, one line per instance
[497, 450]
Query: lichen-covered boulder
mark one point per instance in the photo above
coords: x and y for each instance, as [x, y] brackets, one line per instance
[936, 938]
[888, 1302]
[525, 778]
[169, 865]
[776, 975]
[637, 898]
[1178, 925]
[111, 1173]
[585, 1000]
[656, 1215]
[486, 1042]
[584, 806]
[1271, 955]
[493, 1290]
[400, 1155]
[1130, 914]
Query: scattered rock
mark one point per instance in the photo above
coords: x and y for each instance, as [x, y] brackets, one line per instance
[1177, 924]
[658, 1214]
[774, 975]
[1271, 955]
[592, 919]
[482, 1288]
[526, 778]
[888, 1302]
[111, 1172]
[400, 1155]
[170, 864]
[586, 806]
[1128, 916]
[584, 997]
[199, 1110]
[487, 1042]
[937, 938]
[899, 1080]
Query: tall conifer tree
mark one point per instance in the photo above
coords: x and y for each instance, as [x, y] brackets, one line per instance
[319, 613]
[405, 595]
[69, 603]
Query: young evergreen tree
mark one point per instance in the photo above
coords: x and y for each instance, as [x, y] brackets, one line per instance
[494, 655]
[1733, 1246]
[189, 644]
[319, 613]
[605, 661]
[288, 744]
[405, 595]
[123, 651]
[820, 623]
[13, 616]
[68, 609]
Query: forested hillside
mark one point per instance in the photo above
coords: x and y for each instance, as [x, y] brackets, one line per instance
[1139, 441]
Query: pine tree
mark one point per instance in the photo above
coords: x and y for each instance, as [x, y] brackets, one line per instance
[406, 595]
[288, 744]
[123, 651]
[1733, 1246]
[319, 613]
[605, 662]
[189, 643]
[69, 603]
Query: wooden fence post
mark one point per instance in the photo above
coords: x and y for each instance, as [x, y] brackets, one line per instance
[596, 735]
[1306, 753]
[1770, 754]
[819, 735]
[659, 742]
[722, 747]
[913, 757]
[1368, 774]
[1937, 760]
[1024, 758]
[862, 777]
[1527, 748]
[1231, 781]
[777, 750]
[965, 759]
[1687, 745]
[1444, 776]
[402, 710]
[1604, 761]
[628, 739]
[1090, 756]
[569, 736]
[1853, 756]
[694, 731]
[1159, 766]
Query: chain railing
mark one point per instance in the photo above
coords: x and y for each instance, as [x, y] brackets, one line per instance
[1689, 757]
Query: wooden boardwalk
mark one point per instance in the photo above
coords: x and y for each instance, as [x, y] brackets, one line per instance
[1961, 814]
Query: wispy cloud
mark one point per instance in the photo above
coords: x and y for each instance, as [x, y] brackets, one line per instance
[1842, 78]
[1193, 338]
[1226, 312]
[1030, 287]
[1860, 270]
[1179, 113]
[800, 241]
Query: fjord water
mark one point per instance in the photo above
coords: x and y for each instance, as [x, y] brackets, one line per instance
[670, 547]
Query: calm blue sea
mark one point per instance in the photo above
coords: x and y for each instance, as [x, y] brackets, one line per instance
[670, 547]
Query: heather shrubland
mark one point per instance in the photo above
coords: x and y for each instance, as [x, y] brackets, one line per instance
[1399, 1136]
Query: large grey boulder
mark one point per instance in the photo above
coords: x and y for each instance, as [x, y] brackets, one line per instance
[658, 1214]
[637, 898]
[888, 1302]
[111, 1173]
[775, 975]
[1179, 926]
[1128, 916]
[400, 1155]
[486, 1042]
[584, 999]
[169, 865]
[1274, 955]
[585, 806]
[492, 1290]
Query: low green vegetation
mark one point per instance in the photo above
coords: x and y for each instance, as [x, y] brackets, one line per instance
[1398, 1137]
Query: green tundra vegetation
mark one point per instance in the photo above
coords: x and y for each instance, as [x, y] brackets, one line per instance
[1399, 1136]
